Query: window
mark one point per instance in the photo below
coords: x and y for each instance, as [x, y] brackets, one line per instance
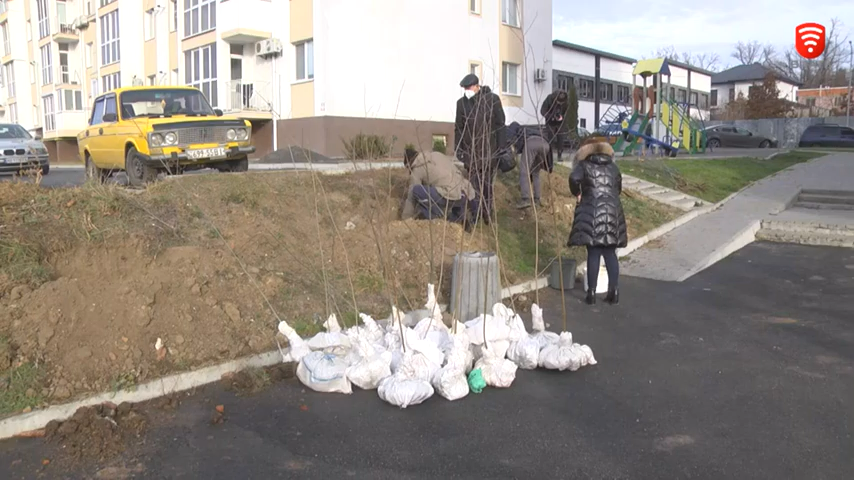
[44, 18]
[110, 105]
[585, 89]
[93, 88]
[70, 100]
[474, 6]
[9, 77]
[563, 82]
[704, 101]
[305, 60]
[510, 79]
[681, 95]
[811, 101]
[199, 16]
[47, 65]
[152, 79]
[173, 19]
[150, 25]
[752, 90]
[622, 94]
[104, 3]
[582, 122]
[7, 48]
[13, 113]
[742, 131]
[64, 71]
[714, 98]
[606, 92]
[732, 94]
[474, 69]
[111, 81]
[49, 117]
[97, 112]
[200, 71]
[695, 98]
[510, 12]
[110, 38]
[87, 52]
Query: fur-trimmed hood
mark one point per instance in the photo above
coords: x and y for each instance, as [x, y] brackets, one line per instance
[598, 150]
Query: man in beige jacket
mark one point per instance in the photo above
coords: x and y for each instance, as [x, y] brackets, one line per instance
[437, 188]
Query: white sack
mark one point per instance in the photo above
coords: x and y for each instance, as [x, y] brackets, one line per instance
[451, 381]
[497, 371]
[538, 327]
[404, 388]
[373, 367]
[331, 324]
[297, 347]
[565, 355]
[525, 353]
[333, 336]
[498, 347]
[323, 372]
[496, 329]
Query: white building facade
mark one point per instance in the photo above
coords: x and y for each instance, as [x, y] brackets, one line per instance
[730, 84]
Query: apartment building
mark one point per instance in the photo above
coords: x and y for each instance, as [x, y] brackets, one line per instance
[603, 79]
[304, 72]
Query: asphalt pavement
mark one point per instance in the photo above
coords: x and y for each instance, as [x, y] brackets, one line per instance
[743, 371]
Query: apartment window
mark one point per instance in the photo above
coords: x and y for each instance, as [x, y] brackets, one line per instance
[9, 78]
[70, 100]
[622, 94]
[93, 87]
[64, 71]
[585, 89]
[47, 65]
[510, 12]
[695, 99]
[173, 18]
[49, 117]
[714, 98]
[152, 79]
[582, 122]
[606, 92]
[87, 52]
[199, 16]
[111, 82]
[732, 94]
[704, 101]
[104, 3]
[44, 18]
[682, 96]
[7, 48]
[305, 60]
[510, 79]
[564, 82]
[13, 113]
[110, 38]
[474, 6]
[150, 24]
[200, 71]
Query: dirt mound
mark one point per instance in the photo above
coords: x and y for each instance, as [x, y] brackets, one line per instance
[253, 380]
[97, 433]
[295, 154]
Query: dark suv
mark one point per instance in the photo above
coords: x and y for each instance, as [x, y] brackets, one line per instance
[827, 135]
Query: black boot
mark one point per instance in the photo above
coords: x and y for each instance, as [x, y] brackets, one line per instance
[613, 296]
[591, 297]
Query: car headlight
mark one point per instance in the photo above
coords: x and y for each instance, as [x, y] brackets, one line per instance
[156, 140]
[171, 138]
[230, 135]
[242, 134]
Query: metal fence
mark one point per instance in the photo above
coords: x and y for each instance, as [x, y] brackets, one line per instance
[787, 131]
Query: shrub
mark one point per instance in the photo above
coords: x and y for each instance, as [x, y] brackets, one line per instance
[367, 147]
[439, 146]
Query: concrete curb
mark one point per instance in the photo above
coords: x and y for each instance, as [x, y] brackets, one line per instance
[66, 167]
[35, 420]
[741, 239]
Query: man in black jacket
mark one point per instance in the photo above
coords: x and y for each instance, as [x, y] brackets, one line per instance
[479, 139]
[554, 111]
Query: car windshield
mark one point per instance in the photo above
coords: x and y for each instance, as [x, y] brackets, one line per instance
[12, 131]
[164, 102]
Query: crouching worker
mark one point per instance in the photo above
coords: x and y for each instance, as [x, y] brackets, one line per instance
[534, 150]
[437, 188]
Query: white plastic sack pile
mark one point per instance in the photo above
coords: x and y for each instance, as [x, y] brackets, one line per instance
[566, 355]
[324, 372]
[297, 348]
[372, 367]
[538, 327]
[451, 381]
[404, 388]
[498, 332]
[333, 337]
[497, 371]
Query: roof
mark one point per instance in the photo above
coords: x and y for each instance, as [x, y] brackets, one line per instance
[651, 66]
[749, 73]
[690, 67]
[592, 51]
[822, 92]
[120, 90]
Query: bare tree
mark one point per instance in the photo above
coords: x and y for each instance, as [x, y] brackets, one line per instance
[706, 61]
[747, 52]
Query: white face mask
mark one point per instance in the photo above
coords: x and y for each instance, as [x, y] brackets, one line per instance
[469, 93]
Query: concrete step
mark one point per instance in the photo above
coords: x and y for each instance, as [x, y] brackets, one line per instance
[835, 193]
[805, 238]
[809, 227]
[653, 190]
[823, 206]
[826, 198]
[685, 204]
[670, 197]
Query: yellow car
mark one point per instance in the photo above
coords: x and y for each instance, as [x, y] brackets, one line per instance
[148, 130]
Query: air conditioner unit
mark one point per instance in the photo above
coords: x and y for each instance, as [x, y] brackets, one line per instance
[81, 22]
[540, 75]
[269, 47]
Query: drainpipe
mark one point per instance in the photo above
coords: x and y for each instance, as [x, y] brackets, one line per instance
[689, 95]
[597, 95]
[273, 98]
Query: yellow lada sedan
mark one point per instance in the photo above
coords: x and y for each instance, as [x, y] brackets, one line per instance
[148, 130]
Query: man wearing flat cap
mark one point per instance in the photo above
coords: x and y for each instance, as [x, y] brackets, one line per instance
[479, 139]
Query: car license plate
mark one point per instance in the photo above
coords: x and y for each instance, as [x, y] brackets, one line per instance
[203, 153]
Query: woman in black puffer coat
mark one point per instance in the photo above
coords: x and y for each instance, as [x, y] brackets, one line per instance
[599, 223]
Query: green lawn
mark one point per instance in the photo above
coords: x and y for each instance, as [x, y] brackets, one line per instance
[715, 179]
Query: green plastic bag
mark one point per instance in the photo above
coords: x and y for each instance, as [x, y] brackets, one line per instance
[476, 381]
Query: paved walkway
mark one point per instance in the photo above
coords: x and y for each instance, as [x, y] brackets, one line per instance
[711, 237]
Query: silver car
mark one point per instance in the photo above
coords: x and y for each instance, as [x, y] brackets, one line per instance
[20, 152]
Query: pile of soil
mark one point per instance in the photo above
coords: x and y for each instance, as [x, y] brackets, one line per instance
[295, 154]
[97, 433]
[254, 380]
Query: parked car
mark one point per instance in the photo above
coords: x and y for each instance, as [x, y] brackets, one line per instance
[147, 130]
[729, 136]
[20, 152]
[827, 135]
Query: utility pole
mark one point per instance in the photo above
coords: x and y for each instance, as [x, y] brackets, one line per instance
[850, 74]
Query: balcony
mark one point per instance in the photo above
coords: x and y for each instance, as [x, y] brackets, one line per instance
[249, 99]
[64, 31]
[246, 21]
[65, 124]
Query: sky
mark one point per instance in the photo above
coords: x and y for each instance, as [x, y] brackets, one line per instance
[642, 27]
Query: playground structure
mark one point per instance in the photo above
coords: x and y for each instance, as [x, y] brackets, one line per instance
[661, 123]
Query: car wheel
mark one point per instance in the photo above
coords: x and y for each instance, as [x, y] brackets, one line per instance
[713, 143]
[45, 170]
[139, 174]
[241, 165]
[765, 144]
[93, 172]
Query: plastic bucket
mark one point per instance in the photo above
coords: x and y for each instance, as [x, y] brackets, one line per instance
[562, 268]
